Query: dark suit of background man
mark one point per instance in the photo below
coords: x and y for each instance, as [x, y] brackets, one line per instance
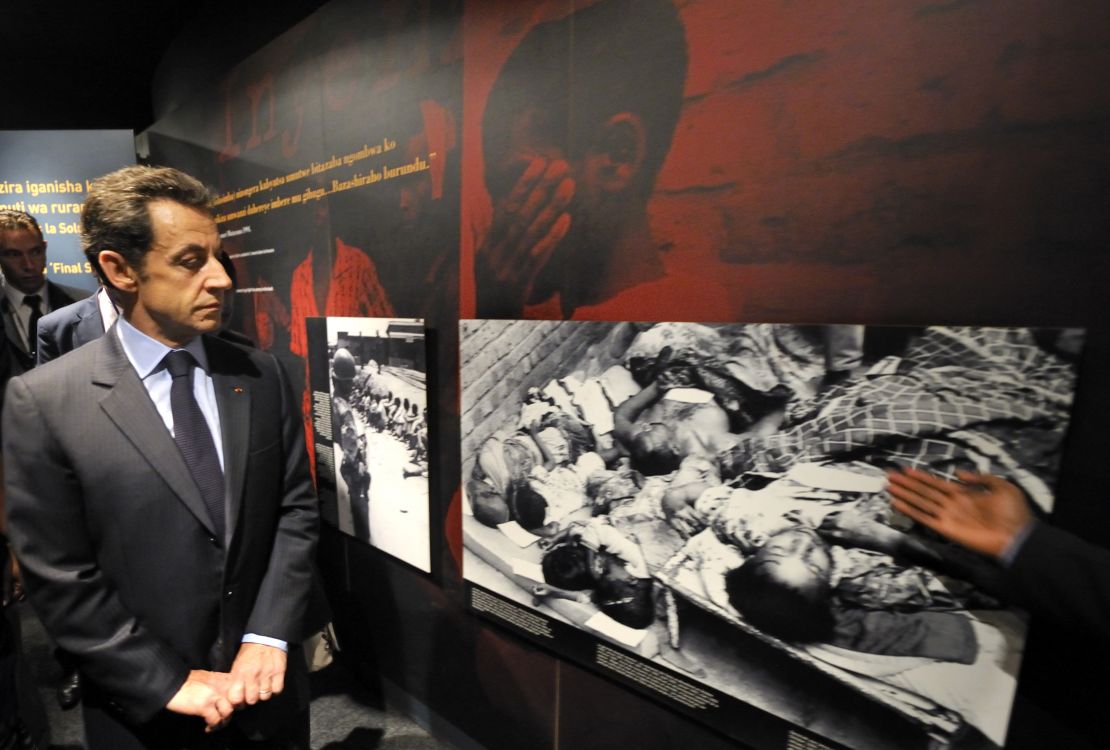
[27, 294]
[176, 605]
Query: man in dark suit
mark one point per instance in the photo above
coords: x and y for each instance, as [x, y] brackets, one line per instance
[158, 492]
[27, 294]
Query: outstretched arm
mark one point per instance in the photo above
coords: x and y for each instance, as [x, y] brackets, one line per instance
[1051, 572]
[534, 433]
[854, 529]
[624, 418]
[560, 536]
[544, 591]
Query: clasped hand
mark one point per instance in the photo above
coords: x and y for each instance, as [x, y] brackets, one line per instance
[257, 674]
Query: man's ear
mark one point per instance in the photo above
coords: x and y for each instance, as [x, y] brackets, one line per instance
[621, 151]
[117, 271]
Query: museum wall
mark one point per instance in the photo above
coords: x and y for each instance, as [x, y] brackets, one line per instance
[885, 163]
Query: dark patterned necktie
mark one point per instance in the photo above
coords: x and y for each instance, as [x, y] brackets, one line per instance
[34, 302]
[191, 433]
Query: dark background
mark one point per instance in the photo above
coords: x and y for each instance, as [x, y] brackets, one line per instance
[70, 64]
[941, 161]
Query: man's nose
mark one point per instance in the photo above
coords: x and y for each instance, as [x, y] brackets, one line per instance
[218, 278]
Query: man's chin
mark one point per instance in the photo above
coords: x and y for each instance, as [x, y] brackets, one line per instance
[207, 324]
[30, 286]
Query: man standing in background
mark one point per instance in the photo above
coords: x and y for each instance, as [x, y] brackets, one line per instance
[27, 294]
[27, 297]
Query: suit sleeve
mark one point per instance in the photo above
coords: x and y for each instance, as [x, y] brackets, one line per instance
[279, 609]
[46, 347]
[1061, 577]
[77, 603]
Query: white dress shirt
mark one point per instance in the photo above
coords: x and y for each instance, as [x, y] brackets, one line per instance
[21, 313]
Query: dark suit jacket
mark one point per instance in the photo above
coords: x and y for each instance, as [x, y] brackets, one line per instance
[66, 328]
[117, 550]
[59, 296]
[1058, 576]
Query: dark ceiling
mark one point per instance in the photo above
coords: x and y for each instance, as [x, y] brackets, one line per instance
[91, 64]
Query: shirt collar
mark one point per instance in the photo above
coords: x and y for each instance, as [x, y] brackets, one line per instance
[16, 297]
[108, 310]
[146, 354]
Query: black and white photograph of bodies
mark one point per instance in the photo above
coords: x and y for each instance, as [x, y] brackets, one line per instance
[380, 432]
[712, 498]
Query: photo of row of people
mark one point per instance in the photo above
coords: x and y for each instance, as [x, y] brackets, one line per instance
[379, 433]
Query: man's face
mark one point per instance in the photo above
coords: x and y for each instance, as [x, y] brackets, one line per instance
[181, 285]
[23, 259]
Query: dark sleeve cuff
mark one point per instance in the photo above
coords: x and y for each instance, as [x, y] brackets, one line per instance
[1013, 549]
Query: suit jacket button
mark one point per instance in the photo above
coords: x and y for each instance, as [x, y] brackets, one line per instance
[212, 540]
[227, 594]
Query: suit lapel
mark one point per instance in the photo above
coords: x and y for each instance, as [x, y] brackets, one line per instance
[19, 359]
[129, 406]
[233, 399]
[10, 329]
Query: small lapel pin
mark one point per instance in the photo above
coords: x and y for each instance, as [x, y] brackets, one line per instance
[237, 389]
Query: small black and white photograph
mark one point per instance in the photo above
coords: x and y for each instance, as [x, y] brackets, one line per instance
[713, 499]
[379, 431]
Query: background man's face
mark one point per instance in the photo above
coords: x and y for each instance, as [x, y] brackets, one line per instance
[182, 284]
[23, 259]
